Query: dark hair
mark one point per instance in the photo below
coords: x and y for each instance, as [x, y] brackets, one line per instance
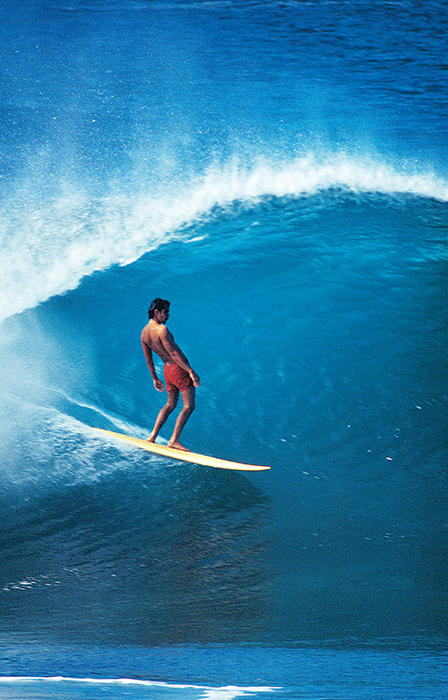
[159, 305]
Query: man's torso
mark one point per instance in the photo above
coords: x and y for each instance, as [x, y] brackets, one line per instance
[151, 335]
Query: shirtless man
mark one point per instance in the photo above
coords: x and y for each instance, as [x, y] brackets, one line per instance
[177, 371]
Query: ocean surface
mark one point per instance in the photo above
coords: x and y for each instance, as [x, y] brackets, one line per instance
[278, 170]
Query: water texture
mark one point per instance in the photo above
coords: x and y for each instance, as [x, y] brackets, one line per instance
[277, 170]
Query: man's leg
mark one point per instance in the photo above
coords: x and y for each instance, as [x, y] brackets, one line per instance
[165, 412]
[188, 397]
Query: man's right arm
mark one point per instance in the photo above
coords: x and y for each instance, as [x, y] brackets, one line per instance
[150, 362]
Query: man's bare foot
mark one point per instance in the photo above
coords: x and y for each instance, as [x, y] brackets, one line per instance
[177, 446]
[150, 439]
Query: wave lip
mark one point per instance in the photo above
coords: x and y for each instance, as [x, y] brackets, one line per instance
[309, 175]
[49, 245]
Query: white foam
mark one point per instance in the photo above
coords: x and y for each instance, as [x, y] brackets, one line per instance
[206, 692]
[49, 244]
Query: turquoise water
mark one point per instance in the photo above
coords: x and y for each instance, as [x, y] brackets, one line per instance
[278, 171]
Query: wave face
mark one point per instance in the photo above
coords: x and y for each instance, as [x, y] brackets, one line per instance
[278, 172]
[318, 328]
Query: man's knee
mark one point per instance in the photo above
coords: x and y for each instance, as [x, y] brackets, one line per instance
[172, 402]
[189, 407]
[189, 402]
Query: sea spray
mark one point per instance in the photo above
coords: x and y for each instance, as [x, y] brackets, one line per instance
[49, 244]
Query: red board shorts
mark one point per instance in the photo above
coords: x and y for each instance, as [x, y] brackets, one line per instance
[176, 377]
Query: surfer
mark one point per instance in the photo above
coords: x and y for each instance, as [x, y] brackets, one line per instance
[179, 376]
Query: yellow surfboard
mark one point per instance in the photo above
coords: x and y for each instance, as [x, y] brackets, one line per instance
[181, 455]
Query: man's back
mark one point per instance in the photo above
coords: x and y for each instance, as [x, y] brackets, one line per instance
[153, 335]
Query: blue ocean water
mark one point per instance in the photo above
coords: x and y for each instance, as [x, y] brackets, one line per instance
[278, 171]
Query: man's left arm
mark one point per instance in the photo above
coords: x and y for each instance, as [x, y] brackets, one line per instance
[178, 356]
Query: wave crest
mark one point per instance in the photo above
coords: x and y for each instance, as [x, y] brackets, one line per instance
[49, 243]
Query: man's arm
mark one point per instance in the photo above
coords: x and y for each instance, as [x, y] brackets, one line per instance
[150, 362]
[177, 355]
